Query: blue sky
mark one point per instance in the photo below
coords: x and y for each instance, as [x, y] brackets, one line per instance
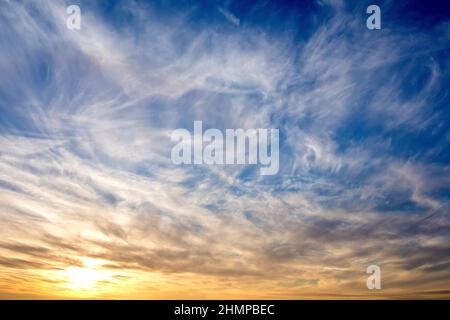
[86, 118]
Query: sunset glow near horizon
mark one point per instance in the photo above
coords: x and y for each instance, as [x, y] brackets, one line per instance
[92, 207]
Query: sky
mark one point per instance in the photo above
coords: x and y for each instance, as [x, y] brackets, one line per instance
[91, 205]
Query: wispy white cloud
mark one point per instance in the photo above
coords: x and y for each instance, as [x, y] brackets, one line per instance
[229, 16]
[85, 164]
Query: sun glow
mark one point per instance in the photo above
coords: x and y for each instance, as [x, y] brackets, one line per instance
[89, 277]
